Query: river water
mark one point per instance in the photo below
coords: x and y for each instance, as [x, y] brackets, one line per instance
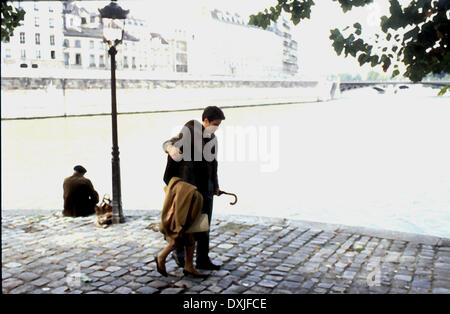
[365, 159]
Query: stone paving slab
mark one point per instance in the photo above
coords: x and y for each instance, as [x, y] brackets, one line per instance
[43, 252]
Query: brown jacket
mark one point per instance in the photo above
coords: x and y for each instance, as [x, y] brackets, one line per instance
[79, 196]
[183, 203]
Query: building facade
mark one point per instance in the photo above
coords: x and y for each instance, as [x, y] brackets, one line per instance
[37, 42]
[223, 44]
[83, 46]
[290, 47]
[65, 35]
[160, 60]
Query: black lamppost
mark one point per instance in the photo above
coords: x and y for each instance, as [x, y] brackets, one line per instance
[113, 32]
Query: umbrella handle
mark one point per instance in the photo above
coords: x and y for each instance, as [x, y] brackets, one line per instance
[232, 194]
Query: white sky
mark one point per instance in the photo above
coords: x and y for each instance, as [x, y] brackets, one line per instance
[316, 54]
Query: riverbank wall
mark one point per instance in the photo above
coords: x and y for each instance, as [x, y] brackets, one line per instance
[41, 97]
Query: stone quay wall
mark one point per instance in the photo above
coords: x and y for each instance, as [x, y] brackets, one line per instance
[41, 97]
[32, 83]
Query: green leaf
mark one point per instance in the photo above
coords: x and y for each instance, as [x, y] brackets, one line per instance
[362, 59]
[444, 90]
[411, 34]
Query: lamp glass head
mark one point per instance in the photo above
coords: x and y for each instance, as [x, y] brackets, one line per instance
[113, 18]
[112, 29]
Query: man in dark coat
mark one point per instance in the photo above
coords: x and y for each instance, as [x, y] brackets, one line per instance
[80, 196]
[192, 157]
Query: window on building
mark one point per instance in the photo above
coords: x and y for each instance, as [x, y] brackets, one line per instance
[71, 22]
[125, 62]
[181, 58]
[36, 21]
[66, 43]
[83, 20]
[22, 38]
[8, 53]
[133, 62]
[52, 40]
[37, 37]
[77, 44]
[101, 61]
[92, 61]
[36, 7]
[38, 54]
[50, 8]
[181, 45]
[91, 44]
[181, 68]
[51, 22]
[92, 19]
[23, 54]
[78, 59]
[66, 58]
[53, 54]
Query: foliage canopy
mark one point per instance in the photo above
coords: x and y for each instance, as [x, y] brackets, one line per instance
[11, 18]
[417, 35]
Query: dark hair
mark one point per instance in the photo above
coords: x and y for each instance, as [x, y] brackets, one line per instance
[80, 169]
[213, 113]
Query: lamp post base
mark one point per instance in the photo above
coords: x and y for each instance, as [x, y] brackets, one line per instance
[118, 219]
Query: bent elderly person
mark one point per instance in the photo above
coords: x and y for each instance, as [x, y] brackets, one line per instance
[182, 206]
[80, 197]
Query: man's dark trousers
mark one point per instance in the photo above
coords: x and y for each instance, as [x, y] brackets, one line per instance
[202, 238]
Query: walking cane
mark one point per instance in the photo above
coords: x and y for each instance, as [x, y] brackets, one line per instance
[232, 194]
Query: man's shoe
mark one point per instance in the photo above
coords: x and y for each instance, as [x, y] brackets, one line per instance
[188, 273]
[207, 265]
[178, 260]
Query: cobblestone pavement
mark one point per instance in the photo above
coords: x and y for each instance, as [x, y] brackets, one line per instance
[53, 254]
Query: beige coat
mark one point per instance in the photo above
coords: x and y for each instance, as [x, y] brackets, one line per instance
[182, 204]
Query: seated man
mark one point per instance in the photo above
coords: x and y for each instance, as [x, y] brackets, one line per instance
[80, 197]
